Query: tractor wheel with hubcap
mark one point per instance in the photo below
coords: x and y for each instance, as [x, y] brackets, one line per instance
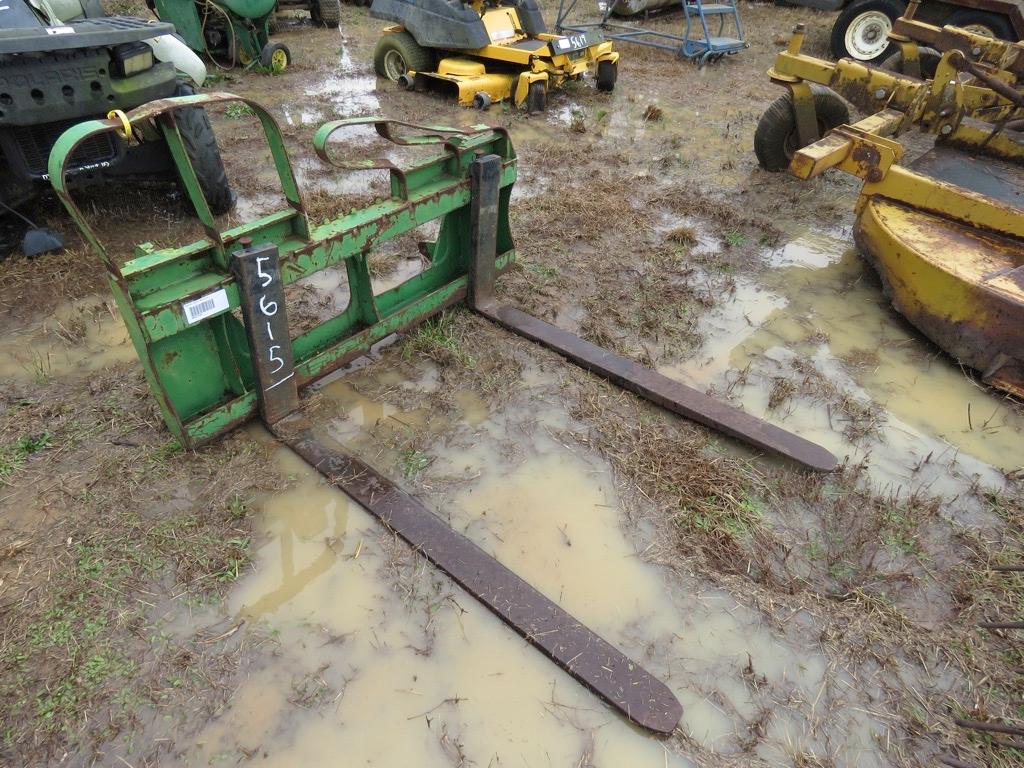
[276, 57]
[776, 139]
[397, 53]
[928, 58]
[862, 29]
[607, 74]
[201, 148]
[982, 23]
[328, 13]
[536, 97]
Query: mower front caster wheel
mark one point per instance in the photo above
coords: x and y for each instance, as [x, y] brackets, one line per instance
[275, 57]
[607, 74]
[776, 139]
[397, 53]
[536, 97]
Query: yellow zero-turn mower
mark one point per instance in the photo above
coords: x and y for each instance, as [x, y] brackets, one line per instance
[485, 52]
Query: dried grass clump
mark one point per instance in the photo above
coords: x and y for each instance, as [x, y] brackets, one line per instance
[711, 499]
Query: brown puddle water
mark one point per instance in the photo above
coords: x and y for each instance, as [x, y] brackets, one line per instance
[77, 337]
[383, 662]
[819, 304]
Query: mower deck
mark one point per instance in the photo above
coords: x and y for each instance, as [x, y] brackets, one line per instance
[962, 286]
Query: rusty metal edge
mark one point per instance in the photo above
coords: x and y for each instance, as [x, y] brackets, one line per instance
[663, 391]
[589, 659]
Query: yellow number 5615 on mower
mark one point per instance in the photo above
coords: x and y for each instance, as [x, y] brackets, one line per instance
[483, 52]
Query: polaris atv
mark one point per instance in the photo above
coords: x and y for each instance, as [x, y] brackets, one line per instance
[62, 63]
[485, 50]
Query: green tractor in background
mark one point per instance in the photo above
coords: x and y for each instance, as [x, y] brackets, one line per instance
[231, 32]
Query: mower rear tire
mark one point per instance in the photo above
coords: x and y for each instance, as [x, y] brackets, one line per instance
[397, 53]
[607, 74]
[201, 148]
[536, 97]
[982, 23]
[275, 57]
[928, 57]
[328, 13]
[776, 139]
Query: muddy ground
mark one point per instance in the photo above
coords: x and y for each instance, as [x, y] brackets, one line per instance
[225, 607]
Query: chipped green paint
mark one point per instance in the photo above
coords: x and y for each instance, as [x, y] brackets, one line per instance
[198, 366]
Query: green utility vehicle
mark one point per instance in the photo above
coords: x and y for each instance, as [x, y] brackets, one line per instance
[63, 62]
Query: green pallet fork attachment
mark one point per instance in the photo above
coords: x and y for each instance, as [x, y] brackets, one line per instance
[210, 325]
[178, 302]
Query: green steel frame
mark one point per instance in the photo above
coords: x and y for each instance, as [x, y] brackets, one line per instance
[179, 303]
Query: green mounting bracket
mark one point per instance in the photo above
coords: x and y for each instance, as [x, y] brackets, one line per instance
[182, 305]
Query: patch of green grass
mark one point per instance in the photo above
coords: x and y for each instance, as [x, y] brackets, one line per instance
[438, 339]
[735, 239]
[238, 111]
[899, 531]
[412, 461]
[842, 570]
[542, 271]
[13, 456]
[238, 507]
[815, 550]
[235, 559]
[735, 520]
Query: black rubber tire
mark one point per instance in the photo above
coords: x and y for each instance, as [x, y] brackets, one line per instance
[329, 13]
[269, 54]
[891, 8]
[201, 148]
[929, 58]
[536, 97]
[412, 55]
[775, 140]
[999, 26]
[607, 74]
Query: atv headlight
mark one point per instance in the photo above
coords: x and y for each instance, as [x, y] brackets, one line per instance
[132, 58]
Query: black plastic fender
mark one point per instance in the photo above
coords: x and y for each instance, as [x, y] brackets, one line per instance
[445, 24]
[451, 24]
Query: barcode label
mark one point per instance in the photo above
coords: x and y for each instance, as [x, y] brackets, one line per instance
[206, 306]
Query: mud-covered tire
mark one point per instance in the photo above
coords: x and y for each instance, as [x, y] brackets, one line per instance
[928, 57]
[536, 97]
[397, 53]
[607, 74]
[275, 57]
[328, 13]
[982, 22]
[776, 141]
[204, 154]
[860, 31]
